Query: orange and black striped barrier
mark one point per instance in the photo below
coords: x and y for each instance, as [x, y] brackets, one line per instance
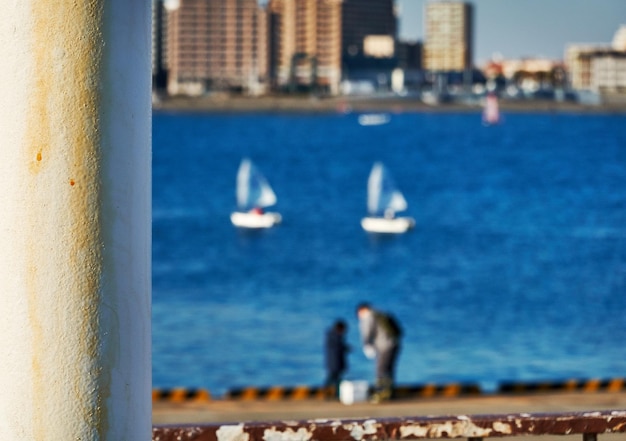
[572, 385]
[181, 395]
[303, 392]
[434, 390]
[278, 393]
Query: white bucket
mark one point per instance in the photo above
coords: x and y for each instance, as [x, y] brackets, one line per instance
[353, 391]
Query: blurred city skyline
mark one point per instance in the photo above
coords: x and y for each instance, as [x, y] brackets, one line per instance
[506, 27]
[529, 28]
[379, 46]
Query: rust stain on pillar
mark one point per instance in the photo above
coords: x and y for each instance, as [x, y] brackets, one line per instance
[64, 256]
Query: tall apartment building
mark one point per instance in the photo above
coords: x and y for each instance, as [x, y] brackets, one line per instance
[366, 18]
[159, 73]
[215, 44]
[369, 29]
[305, 43]
[448, 44]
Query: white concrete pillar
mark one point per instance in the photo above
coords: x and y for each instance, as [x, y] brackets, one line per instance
[75, 220]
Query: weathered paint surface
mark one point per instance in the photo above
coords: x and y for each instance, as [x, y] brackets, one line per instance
[65, 371]
[359, 430]
[288, 434]
[62, 143]
[461, 426]
[232, 433]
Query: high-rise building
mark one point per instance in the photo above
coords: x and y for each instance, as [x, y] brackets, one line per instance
[159, 73]
[448, 44]
[409, 55]
[369, 48]
[215, 44]
[305, 43]
[367, 18]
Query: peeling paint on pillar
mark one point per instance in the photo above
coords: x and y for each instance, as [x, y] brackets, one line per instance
[66, 369]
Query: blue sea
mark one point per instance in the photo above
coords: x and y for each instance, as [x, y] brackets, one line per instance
[516, 270]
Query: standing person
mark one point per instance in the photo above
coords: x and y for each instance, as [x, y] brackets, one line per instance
[380, 334]
[336, 351]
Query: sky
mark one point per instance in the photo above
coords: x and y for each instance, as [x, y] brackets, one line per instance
[527, 28]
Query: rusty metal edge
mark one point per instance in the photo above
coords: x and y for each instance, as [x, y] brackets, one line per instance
[409, 428]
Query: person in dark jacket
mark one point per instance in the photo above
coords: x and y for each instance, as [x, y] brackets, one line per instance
[380, 335]
[336, 351]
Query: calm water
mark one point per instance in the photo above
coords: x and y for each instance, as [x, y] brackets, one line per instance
[516, 270]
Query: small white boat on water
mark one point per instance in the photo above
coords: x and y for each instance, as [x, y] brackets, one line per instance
[383, 201]
[254, 194]
[374, 119]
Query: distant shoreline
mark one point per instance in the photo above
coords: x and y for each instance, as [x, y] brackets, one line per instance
[304, 104]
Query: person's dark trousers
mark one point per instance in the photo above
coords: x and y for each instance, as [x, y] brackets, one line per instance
[385, 367]
[332, 383]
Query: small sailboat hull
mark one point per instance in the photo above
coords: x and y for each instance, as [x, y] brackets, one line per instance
[255, 220]
[395, 225]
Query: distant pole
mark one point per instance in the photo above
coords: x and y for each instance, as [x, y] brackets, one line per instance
[75, 220]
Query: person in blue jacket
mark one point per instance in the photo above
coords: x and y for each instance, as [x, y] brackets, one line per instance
[336, 351]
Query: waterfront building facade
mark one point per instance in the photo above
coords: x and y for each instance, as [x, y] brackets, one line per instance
[599, 68]
[609, 73]
[305, 44]
[215, 45]
[579, 58]
[448, 44]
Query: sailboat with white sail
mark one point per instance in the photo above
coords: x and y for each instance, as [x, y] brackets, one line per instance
[384, 200]
[254, 194]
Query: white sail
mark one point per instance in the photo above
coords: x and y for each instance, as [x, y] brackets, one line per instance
[253, 190]
[383, 197]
